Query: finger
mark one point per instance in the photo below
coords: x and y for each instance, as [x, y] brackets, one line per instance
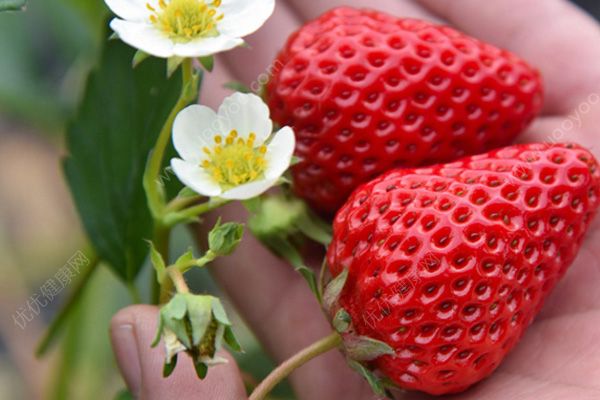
[283, 313]
[553, 35]
[309, 9]
[132, 331]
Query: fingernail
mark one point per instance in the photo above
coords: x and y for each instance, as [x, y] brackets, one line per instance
[125, 348]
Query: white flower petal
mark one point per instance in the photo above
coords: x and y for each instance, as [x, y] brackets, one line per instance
[143, 36]
[245, 113]
[243, 17]
[194, 129]
[206, 46]
[248, 190]
[279, 152]
[131, 10]
[196, 178]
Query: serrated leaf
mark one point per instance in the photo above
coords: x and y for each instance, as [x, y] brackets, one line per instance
[237, 86]
[370, 377]
[12, 5]
[208, 62]
[364, 348]
[341, 321]
[334, 289]
[118, 122]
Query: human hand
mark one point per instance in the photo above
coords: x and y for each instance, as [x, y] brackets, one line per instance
[557, 358]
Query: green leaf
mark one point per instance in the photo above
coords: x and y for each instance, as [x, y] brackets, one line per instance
[117, 124]
[208, 62]
[237, 86]
[12, 5]
[334, 289]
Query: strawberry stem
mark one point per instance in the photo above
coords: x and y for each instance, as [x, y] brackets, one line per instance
[319, 347]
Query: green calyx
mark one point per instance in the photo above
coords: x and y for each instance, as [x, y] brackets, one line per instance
[196, 325]
[359, 349]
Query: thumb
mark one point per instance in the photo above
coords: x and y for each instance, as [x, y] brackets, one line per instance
[132, 330]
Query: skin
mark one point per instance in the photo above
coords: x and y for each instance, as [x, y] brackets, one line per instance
[559, 356]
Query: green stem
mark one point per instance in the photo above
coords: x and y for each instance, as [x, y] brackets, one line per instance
[152, 184]
[190, 213]
[178, 280]
[329, 342]
[162, 236]
[69, 305]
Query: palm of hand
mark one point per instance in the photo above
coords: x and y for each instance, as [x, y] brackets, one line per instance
[559, 356]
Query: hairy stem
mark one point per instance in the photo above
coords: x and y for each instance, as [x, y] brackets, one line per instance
[178, 280]
[329, 342]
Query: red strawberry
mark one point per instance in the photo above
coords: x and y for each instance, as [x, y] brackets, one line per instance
[449, 264]
[366, 92]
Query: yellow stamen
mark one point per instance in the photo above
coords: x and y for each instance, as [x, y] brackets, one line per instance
[237, 161]
[185, 20]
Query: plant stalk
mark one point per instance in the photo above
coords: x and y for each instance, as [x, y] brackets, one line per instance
[329, 342]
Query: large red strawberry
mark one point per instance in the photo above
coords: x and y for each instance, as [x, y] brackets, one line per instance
[366, 92]
[449, 264]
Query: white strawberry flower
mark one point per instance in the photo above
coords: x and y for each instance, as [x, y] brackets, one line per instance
[230, 154]
[187, 28]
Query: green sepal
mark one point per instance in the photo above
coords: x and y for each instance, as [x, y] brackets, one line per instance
[208, 62]
[138, 57]
[315, 228]
[237, 86]
[334, 289]
[172, 64]
[341, 321]
[169, 367]
[201, 369]
[200, 316]
[231, 340]
[311, 279]
[219, 312]
[363, 348]
[373, 380]
[113, 36]
[158, 263]
[184, 260]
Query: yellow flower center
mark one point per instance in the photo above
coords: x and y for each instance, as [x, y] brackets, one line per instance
[185, 20]
[234, 160]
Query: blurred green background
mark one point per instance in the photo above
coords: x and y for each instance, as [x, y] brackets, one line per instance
[46, 53]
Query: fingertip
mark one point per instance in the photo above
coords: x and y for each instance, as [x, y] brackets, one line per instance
[123, 327]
